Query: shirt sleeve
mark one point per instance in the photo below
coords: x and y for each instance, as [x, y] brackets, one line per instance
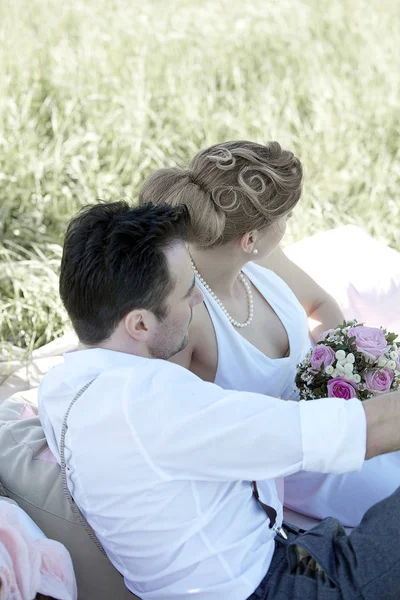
[198, 430]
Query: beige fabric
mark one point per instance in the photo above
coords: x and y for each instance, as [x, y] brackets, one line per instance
[37, 488]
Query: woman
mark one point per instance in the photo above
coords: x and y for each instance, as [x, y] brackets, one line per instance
[252, 330]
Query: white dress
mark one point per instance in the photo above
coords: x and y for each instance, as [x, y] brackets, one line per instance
[241, 366]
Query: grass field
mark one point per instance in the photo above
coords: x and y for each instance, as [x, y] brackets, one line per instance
[97, 93]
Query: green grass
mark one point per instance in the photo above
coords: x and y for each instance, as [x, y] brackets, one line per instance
[97, 93]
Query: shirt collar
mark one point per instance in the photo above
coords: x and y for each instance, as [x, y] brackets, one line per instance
[99, 359]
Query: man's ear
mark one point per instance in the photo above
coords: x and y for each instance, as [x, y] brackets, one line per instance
[137, 324]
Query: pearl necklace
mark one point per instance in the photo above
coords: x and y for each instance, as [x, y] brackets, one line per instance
[218, 301]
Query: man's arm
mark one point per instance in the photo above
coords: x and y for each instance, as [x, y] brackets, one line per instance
[200, 431]
[322, 310]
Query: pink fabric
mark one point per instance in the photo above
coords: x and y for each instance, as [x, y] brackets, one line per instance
[367, 287]
[27, 413]
[46, 456]
[30, 566]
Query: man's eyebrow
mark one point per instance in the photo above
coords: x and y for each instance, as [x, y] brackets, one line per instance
[190, 290]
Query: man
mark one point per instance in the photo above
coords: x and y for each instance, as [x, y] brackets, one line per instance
[161, 462]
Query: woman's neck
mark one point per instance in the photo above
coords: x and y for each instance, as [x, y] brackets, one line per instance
[220, 267]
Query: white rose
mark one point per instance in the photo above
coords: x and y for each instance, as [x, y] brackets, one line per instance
[336, 373]
[348, 368]
[350, 358]
[393, 355]
[356, 378]
[329, 370]
[340, 354]
[382, 360]
[390, 365]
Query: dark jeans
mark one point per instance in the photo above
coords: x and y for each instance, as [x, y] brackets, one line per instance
[326, 563]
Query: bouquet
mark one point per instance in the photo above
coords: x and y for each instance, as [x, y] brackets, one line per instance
[351, 361]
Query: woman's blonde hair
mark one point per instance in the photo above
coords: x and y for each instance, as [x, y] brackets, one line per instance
[230, 189]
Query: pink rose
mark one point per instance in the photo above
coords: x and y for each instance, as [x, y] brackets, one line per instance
[338, 387]
[379, 381]
[322, 355]
[370, 341]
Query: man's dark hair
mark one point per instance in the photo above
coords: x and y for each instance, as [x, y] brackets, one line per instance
[114, 261]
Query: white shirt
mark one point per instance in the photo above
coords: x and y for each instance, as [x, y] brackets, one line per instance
[160, 463]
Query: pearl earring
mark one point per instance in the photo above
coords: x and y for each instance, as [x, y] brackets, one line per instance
[255, 251]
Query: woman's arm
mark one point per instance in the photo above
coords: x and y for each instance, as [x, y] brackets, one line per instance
[322, 310]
